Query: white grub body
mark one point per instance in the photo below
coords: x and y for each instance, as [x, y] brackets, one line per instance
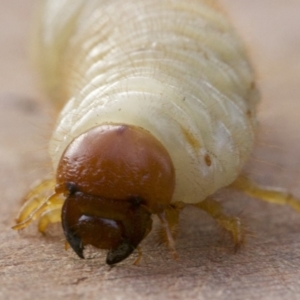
[176, 68]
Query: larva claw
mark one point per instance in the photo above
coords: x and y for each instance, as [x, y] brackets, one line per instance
[121, 252]
[74, 241]
[115, 225]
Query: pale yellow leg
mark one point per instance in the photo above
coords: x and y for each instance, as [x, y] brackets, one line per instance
[140, 253]
[172, 216]
[48, 217]
[169, 221]
[28, 207]
[54, 201]
[231, 224]
[35, 198]
[41, 188]
[264, 193]
[67, 246]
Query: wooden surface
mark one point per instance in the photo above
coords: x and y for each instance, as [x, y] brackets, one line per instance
[268, 267]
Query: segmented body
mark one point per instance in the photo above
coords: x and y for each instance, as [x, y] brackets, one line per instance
[174, 68]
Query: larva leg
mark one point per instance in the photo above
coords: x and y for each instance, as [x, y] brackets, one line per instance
[35, 198]
[48, 217]
[172, 216]
[264, 193]
[231, 224]
[168, 235]
[140, 253]
[169, 220]
[53, 202]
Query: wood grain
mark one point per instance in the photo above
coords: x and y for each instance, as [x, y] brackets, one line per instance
[268, 267]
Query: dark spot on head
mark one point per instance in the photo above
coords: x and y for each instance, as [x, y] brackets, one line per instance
[136, 201]
[249, 113]
[207, 160]
[71, 187]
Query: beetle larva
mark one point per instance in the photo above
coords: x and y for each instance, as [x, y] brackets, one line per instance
[160, 113]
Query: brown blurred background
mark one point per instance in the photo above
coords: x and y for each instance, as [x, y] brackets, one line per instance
[34, 267]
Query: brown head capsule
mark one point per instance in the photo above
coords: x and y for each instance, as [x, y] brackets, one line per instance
[115, 177]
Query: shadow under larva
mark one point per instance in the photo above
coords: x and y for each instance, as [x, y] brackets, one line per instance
[159, 112]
